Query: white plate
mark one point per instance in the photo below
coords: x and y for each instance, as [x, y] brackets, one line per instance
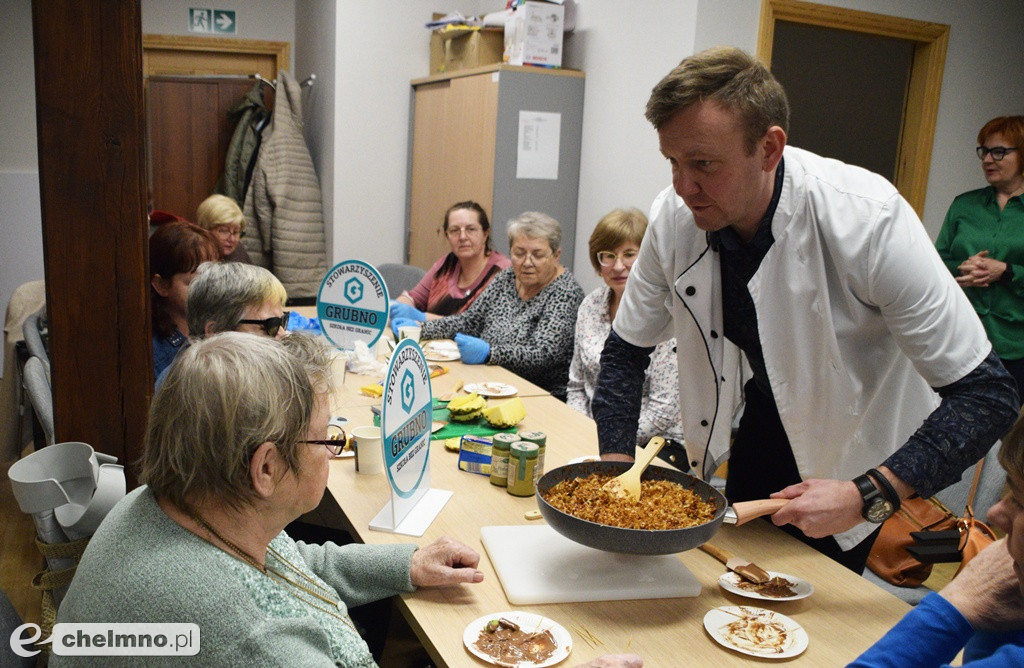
[441, 351]
[717, 621]
[527, 621]
[585, 458]
[731, 582]
[491, 389]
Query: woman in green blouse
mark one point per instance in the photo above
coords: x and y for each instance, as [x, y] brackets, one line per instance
[982, 241]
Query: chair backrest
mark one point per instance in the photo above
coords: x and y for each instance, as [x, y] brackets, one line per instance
[400, 277]
[32, 330]
[990, 486]
[36, 377]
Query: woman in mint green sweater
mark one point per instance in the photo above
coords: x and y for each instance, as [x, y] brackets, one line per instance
[982, 241]
[234, 452]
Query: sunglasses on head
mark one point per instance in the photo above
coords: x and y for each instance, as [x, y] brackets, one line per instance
[270, 325]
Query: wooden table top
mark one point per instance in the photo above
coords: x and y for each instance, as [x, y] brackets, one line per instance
[843, 616]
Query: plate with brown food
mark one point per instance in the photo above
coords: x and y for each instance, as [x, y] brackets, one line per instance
[517, 638]
[779, 587]
[756, 632]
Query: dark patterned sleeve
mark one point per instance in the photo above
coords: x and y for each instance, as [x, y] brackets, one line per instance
[550, 348]
[975, 412]
[470, 321]
[618, 394]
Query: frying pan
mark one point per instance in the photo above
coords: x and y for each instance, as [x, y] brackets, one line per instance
[644, 541]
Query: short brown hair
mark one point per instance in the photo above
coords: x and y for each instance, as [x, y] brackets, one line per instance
[616, 228]
[176, 248]
[223, 397]
[730, 77]
[1012, 129]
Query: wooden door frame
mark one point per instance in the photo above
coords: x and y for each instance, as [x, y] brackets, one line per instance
[921, 108]
[192, 48]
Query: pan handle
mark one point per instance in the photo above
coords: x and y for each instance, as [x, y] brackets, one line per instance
[744, 511]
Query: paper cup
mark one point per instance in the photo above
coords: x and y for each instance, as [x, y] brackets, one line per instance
[409, 332]
[369, 452]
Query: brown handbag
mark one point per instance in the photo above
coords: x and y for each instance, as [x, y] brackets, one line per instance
[889, 558]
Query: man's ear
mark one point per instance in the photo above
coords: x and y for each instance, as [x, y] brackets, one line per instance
[266, 469]
[209, 330]
[774, 141]
[161, 285]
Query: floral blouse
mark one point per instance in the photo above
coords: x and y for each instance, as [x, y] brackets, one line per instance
[659, 409]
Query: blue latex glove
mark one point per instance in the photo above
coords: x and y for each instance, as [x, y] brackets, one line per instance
[400, 310]
[402, 322]
[472, 349]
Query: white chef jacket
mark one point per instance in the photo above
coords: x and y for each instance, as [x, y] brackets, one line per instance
[858, 317]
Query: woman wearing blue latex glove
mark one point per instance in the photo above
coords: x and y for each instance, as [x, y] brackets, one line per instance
[403, 310]
[472, 349]
[459, 277]
[527, 315]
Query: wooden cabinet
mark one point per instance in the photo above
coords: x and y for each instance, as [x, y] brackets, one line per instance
[465, 146]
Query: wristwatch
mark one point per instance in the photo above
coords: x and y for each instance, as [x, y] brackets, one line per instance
[877, 508]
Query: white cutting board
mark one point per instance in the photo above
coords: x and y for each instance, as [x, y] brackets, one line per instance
[537, 565]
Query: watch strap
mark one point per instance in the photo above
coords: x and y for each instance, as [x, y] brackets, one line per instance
[887, 489]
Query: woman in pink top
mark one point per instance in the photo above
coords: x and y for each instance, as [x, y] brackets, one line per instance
[459, 277]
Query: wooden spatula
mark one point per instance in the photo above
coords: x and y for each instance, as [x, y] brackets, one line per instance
[628, 484]
[738, 565]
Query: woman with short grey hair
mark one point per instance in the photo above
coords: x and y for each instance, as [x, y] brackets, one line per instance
[236, 450]
[226, 296]
[526, 318]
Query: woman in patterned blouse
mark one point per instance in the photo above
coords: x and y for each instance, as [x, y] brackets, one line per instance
[525, 318]
[613, 248]
[456, 279]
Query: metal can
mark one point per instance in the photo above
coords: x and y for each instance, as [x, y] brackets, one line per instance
[500, 447]
[541, 439]
[522, 462]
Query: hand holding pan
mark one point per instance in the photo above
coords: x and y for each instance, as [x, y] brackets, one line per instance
[644, 541]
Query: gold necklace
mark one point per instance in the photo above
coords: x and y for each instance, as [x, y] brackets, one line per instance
[249, 559]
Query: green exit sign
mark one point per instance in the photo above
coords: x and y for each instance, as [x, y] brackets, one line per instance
[211, 21]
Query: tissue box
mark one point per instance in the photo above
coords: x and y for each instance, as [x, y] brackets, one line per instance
[533, 35]
[462, 50]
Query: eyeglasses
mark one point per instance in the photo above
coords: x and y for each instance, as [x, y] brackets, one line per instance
[520, 255]
[608, 258]
[228, 232]
[998, 152]
[469, 230]
[270, 325]
[334, 445]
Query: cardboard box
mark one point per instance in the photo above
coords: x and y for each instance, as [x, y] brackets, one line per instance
[533, 35]
[451, 51]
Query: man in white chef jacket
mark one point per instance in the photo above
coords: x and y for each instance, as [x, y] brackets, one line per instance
[872, 376]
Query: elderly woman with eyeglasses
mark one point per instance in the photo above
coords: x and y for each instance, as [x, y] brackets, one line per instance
[524, 320]
[982, 241]
[235, 450]
[614, 246]
[222, 216]
[458, 278]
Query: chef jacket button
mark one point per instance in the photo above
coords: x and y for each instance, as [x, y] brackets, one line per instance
[693, 464]
[703, 423]
[714, 334]
[691, 291]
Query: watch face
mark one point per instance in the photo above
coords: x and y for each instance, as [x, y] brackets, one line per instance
[879, 511]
